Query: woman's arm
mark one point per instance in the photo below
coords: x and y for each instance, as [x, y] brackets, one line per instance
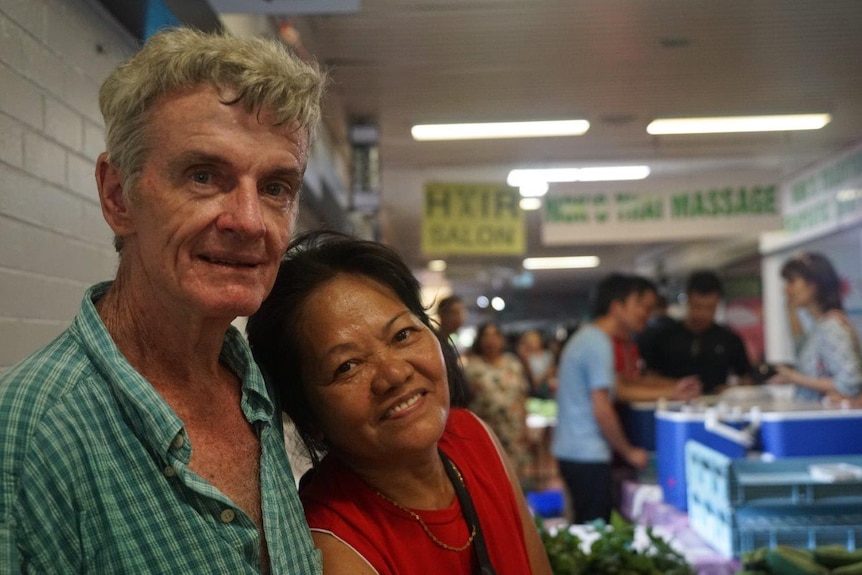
[838, 353]
[339, 558]
[784, 374]
[538, 557]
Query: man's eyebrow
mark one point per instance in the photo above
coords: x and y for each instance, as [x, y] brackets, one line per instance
[200, 157]
[283, 172]
[197, 157]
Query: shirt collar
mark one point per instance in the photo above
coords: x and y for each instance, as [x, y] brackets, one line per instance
[149, 416]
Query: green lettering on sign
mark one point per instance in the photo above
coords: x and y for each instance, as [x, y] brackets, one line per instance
[850, 205]
[566, 209]
[638, 208]
[813, 216]
[725, 202]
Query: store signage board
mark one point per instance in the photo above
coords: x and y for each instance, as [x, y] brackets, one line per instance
[659, 215]
[472, 219]
[821, 200]
[826, 195]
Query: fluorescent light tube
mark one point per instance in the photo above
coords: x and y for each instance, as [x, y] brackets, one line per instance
[561, 263]
[528, 177]
[530, 204]
[613, 173]
[738, 124]
[533, 188]
[428, 132]
[437, 265]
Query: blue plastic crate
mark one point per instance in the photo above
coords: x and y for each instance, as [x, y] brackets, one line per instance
[800, 526]
[737, 505]
[728, 482]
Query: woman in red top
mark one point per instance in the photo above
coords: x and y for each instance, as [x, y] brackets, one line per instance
[401, 483]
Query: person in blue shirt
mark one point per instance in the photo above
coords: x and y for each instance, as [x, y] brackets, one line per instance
[588, 428]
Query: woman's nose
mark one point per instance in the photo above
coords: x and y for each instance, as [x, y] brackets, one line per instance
[393, 370]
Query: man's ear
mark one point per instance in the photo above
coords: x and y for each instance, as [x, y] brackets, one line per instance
[114, 202]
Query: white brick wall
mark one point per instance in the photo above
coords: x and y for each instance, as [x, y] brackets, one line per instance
[54, 243]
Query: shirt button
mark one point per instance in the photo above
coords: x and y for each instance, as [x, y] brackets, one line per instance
[170, 471]
[178, 441]
[227, 515]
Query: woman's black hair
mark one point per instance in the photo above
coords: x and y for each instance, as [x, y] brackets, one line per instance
[274, 330]
[816, 268]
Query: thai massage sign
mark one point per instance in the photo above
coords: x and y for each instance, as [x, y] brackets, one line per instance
[825, 197]
[477, 219]
[602, 217]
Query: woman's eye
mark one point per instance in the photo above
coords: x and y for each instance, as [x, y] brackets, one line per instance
[344, 367]
[404, 334]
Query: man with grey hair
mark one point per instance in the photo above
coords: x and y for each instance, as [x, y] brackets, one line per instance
[143, 439]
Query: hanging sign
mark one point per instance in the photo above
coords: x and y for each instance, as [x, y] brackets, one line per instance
[474, 219]
[625, 216]
[825, 197]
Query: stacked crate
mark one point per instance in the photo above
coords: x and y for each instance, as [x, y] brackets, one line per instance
[737, 505]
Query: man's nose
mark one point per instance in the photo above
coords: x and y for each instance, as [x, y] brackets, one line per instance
[242, 212]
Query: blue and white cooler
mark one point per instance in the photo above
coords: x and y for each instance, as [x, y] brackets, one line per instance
[760, 422]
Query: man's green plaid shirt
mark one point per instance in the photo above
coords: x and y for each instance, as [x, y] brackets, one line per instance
[95, 475]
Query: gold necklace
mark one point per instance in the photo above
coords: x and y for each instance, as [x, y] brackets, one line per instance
[425, 527]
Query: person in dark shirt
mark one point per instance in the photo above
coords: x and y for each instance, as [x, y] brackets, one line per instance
[697, 345]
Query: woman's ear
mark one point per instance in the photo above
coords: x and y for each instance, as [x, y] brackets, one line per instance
[113, 197]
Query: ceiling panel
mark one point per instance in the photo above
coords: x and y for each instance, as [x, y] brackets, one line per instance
[617, 63]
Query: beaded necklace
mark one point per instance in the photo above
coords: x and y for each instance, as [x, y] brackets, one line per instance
[422, 523]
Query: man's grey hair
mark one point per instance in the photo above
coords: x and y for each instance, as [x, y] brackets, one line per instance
[256, 73]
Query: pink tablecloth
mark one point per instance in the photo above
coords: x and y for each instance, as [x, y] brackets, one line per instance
[642, 504]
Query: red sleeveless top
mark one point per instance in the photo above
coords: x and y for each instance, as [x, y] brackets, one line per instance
[338, 502]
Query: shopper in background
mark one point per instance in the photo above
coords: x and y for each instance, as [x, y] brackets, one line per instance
[660, 315]
[539, 363]
[498, 386]
[452, 314]
[633, 381]
[347, 341]
[143, 438]
[828, 356]
[698, 345]
[588, 427]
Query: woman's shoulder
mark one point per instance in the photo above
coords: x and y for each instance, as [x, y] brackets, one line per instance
[464, 425]
[834, 324]
[462, 419]
[325, 480]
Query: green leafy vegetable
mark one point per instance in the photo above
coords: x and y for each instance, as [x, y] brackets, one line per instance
[612, 553]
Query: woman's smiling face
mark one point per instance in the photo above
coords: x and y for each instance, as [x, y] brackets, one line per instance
[374, 374]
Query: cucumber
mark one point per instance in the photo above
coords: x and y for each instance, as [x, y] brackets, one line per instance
[785, 560]
[851, 569]
[796, 551]
[836, 555]
[755, 559]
